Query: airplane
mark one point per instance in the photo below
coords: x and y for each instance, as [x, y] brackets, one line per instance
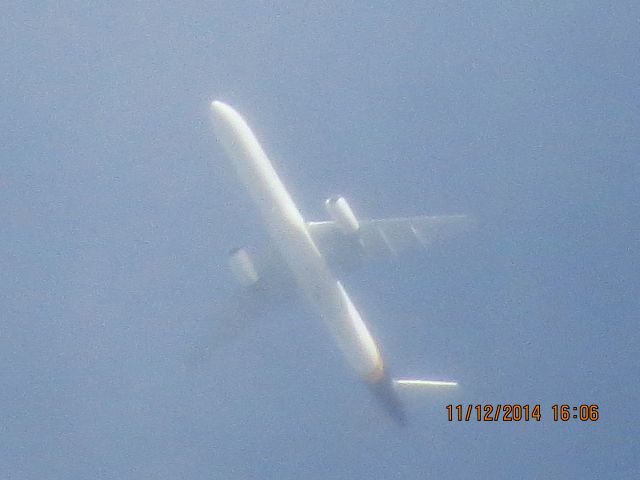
[308, 256]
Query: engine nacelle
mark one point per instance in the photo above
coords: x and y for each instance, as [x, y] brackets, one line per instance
[242, 267]
[341, 213]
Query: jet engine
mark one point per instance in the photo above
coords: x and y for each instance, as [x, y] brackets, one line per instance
[341, 213]
[242, 267]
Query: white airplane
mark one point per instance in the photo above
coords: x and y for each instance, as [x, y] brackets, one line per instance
[308, 253]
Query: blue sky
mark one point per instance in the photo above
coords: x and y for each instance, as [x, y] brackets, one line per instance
[118, 209]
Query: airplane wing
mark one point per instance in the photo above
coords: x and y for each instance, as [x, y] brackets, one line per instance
[384, 238]
[235, 314]
[375, 241]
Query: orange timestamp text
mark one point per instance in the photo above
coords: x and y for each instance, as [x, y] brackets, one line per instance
[516, 412]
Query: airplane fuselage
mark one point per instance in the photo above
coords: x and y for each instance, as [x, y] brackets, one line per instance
[288, 230]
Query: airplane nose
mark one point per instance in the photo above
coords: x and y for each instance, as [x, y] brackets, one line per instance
[226, 121]
[217, 106]
[220, 111]
[235, 136]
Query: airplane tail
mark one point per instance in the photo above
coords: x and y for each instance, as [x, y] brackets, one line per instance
[388, 397]
[386, 390]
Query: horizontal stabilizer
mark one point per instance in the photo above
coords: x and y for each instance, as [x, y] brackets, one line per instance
[410, 383]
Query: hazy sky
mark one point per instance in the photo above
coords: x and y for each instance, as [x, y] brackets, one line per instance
[117, 210]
